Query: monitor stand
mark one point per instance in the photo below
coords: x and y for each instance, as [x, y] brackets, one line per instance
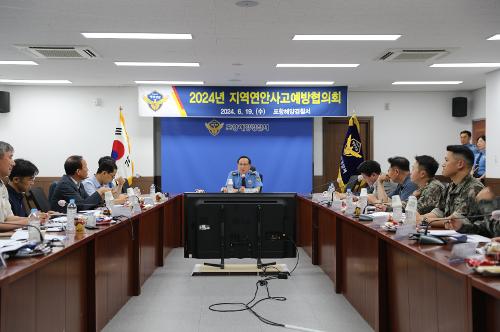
[222, 240]
[260, 265]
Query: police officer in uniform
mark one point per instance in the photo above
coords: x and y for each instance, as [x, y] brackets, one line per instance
[244, 179]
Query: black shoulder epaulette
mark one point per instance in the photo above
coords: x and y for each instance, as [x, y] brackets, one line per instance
[234, 173]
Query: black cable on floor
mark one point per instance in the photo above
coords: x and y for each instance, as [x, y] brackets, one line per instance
[249, 306]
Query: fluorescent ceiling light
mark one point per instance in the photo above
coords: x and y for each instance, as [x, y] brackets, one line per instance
[495, 37]
[171, 82]
[36, 81]
[346, 37]
[15, 62]
[137, 35]
[158, 64]
[317, 65]
[425, 82]
[299, 83]
[466, 65]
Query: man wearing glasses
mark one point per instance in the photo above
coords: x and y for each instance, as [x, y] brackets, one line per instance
[244, 180]
[21, 179]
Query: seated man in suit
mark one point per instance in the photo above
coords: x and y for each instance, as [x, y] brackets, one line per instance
[70, 186]
[21, 179]
[244, 180]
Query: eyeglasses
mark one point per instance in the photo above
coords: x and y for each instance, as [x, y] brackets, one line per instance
[243, 164]
[28, 179]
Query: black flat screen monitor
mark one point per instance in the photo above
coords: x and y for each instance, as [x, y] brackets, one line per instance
[228, 224]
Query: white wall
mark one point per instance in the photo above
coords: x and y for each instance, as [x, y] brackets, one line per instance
[48, 124]
[478, 104]
[493, 120]
[416, 123]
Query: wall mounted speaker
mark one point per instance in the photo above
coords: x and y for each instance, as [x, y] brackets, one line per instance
[4, 102]
[459, 107]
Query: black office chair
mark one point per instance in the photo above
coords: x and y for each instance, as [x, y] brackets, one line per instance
[38, 197]
[52, 188]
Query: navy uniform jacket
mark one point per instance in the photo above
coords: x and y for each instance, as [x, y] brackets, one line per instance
[66, 189]
[252, 179]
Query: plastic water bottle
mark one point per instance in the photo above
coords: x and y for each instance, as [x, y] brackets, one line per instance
[397, 208]
[152, 191]
[350, 205]
[411, 211]
[331, 190]
[71, 215]
[34, 221]
[363, 200]
[229, 185]
[108, 199]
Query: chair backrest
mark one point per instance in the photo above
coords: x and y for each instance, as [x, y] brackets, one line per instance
[39, 198]
[51, 189]
[253, 169]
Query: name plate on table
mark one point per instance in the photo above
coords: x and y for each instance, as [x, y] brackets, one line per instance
[461, 251]
[380, 218]
[120, 210]
[149, 200]
[404, 231]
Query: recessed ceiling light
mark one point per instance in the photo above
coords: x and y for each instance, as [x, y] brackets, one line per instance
[247, 3]
[158, 64]
[134, 35]
[346, 37]
[299, 83]
[495, 37]
[36, 81]
[425, 82]
[467, 65]
[171, 82]
[16, 62]
[317, 65]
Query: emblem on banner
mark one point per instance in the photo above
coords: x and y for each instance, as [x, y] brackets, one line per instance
[155, 100]
[352, 148]
[214, 127]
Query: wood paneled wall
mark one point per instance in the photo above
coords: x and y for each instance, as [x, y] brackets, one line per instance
[144, 182]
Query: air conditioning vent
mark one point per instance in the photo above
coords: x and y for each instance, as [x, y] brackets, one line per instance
[59, 52]
[413, 55]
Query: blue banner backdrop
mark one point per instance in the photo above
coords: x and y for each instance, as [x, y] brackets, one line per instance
[242, 102]
[199, 153]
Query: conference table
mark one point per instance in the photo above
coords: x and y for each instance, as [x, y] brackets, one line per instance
[395, 285]
[82, 286]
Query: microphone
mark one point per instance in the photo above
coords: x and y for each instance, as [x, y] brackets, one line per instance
[27, 225]
[243, 180]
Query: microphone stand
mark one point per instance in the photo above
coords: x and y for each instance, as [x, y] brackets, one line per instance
[322, 186]
[427, 238]
[40, 247]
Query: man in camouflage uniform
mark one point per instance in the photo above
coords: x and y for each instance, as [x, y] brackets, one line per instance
[459, 198]
[489, 225]
[430, 189]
